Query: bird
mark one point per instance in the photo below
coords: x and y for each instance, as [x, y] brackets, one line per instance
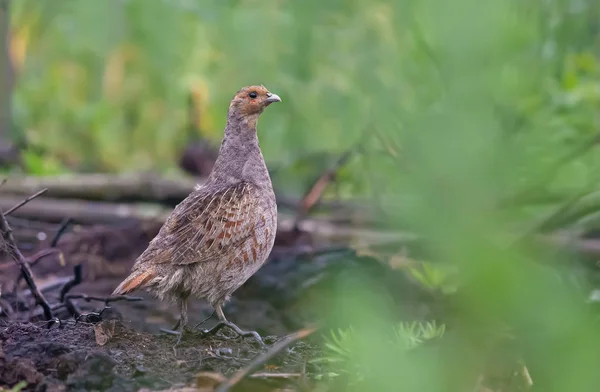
[223, 232]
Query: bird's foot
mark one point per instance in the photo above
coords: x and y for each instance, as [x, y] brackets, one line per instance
[222, 324]
[205, 320]
[177, 331]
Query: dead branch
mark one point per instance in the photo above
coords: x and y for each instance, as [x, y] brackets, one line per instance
[313, 195]
[107, 187]
[61, 230]
[276, 375]
[15, 253]
[329, 232]
[85, 212]
[45, 287]
[27, 200]
[76, 280]
[33, 260]
[264, 358]
[106, 300]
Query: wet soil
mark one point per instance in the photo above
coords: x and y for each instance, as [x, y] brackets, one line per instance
[70, 357]
[286, 294]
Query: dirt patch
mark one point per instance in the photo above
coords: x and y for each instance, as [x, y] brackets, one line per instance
[279, 299]
[70, 358]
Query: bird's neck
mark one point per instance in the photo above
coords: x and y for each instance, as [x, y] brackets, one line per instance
[240, 157]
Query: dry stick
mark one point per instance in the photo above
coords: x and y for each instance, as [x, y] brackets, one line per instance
[99, 186]
[45, 287]
[61, 230]
[106, 300]
[67, 299]
[276, 375]
[77, 279]
[49, 209]
[68, 302]
[46, 252]
[33, 260]
[16, 254]
[21, 204]
[312, 197]
[262, 359]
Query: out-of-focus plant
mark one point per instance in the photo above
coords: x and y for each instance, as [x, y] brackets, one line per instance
[483, 122]
[339, 345]
[485, 126]
[17, 388]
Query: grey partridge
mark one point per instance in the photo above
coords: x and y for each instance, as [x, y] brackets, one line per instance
[223, 232]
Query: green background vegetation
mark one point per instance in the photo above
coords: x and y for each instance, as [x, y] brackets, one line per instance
[480, 116]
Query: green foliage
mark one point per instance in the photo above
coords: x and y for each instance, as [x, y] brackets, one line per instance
[341, 347]
[113, 96]
[17, 388]
[434, 277]
[481, 115]
[41, 165]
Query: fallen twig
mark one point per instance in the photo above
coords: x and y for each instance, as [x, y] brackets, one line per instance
[77, 279]
[33, 260]
[105, 186]
[17, 256]
[276, 375]
[61, 230]
[54, 210]
[44, 287]
[27, 200]
[263, 358]
[313, 195]
[106, 300]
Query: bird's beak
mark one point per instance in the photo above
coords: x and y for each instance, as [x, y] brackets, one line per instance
[273, 98]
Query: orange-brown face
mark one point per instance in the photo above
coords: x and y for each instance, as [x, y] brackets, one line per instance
[253, 100]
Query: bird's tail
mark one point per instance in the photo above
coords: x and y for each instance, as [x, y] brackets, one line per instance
[135, 281]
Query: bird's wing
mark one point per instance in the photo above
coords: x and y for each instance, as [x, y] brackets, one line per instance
[212, 226]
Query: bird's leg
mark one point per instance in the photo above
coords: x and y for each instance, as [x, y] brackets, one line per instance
[220, 314]
[176, 326]
[183, 320]
[205, 320]
[224, 323]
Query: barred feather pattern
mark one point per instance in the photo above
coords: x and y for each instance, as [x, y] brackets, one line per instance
[212, 242]
[223, 232]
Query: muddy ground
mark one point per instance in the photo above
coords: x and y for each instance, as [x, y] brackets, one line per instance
[130, 353]
[74, 356]
[70, 358]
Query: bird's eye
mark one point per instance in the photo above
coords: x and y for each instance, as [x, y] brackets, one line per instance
[253, 95]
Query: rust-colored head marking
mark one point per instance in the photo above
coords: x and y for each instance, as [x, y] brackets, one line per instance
[252, 100]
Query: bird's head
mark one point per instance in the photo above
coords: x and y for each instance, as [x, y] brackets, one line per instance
[251, 101]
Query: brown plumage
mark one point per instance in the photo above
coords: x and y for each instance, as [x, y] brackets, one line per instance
[222, 233]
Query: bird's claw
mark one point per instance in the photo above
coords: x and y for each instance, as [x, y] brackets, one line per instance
[179, 332]
[222, 324]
